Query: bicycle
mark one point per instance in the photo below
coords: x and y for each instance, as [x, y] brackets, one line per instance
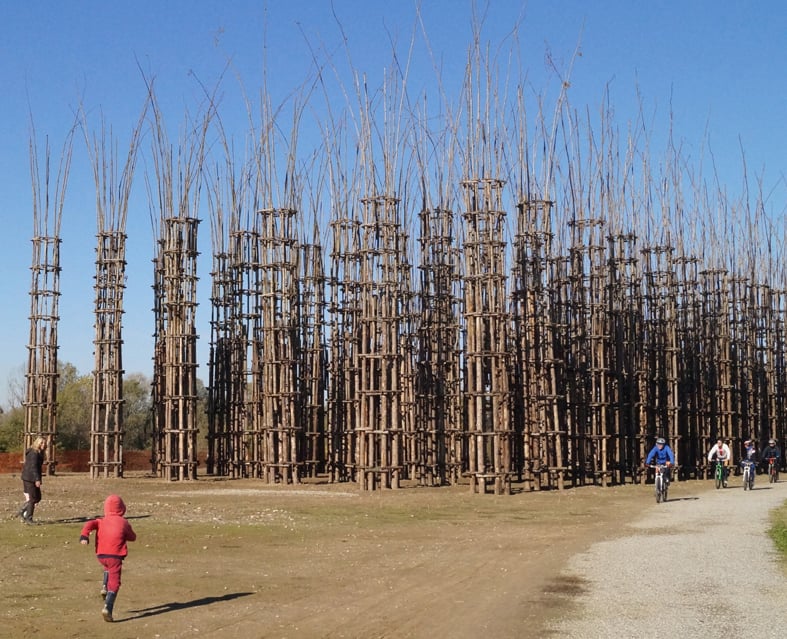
[660, 483]
[748, 475]
[773, 470]
[719, 475]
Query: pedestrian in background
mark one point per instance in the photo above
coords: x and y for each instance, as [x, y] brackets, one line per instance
[31, 479]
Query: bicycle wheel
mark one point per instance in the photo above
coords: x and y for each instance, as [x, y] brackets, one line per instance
[719, 473]
[658, 485]
[772, 474]
[746, 478]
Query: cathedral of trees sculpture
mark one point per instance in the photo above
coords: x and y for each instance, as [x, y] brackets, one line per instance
[491, 300]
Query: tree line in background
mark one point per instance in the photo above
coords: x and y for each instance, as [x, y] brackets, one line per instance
[74, 393]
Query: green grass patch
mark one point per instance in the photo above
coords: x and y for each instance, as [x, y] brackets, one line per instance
[778, 530]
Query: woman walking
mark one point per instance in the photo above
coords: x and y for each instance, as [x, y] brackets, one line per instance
[31, 479]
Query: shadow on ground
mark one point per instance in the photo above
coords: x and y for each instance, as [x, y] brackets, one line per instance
[182, 605]
[82, 520]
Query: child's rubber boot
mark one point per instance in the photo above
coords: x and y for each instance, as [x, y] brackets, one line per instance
[109, 604]
[22, 514]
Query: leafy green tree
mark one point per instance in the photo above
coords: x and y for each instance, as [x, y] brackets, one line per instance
[16, 387]
[74, 409]
[12, 426]
[74, 412]
[138, 412]
[73, 419]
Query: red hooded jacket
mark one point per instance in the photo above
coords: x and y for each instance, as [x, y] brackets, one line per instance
[112, 530]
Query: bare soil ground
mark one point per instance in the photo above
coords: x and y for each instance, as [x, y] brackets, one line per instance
[242, 559]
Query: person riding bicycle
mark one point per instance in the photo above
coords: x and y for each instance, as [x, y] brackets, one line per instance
[721, 453]
[749, 457]
[771, 451]
[662, 454]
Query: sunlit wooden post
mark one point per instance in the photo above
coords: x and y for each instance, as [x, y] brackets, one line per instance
[532, 245]
[382, 418]
[486, 348]
[177, 430]
[344, 315]
[282, 428]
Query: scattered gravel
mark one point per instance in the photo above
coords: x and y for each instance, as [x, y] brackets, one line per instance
[700, 565]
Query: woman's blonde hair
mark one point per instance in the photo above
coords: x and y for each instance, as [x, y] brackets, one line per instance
[38, 442]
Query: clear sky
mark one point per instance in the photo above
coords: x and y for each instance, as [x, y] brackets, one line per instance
[715, 70]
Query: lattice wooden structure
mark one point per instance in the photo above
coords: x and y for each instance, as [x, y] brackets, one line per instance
[175, 451]
[659, 378]
[112, 199]
[278, 357]
[560, 370]
[314, 358]
[106, 427]
[223, 399]
[567, 380]
[344, 327]
[41, 372]
[440, 444]
[382, 420]
[486, 348]
[176, 223]
[247, 278]
[588, 377]
[535, 443]
[625, 331]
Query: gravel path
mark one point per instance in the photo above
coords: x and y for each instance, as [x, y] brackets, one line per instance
[700, 565]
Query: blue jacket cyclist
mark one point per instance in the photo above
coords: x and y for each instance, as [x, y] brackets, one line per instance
[662, 454]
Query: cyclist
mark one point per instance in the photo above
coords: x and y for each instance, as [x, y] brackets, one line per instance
[721, 452]
[749, 457]
[663, 456]
[771, 451]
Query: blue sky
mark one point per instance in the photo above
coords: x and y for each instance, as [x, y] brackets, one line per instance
[711, 71]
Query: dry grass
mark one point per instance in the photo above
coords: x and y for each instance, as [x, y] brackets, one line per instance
[218, 558]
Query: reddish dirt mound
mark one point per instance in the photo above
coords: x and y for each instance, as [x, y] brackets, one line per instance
[76, 461]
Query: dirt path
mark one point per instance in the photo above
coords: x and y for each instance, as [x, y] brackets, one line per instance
[698, 566]
[218, 559]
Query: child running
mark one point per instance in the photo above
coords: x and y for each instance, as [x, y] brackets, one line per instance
[112, 533]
